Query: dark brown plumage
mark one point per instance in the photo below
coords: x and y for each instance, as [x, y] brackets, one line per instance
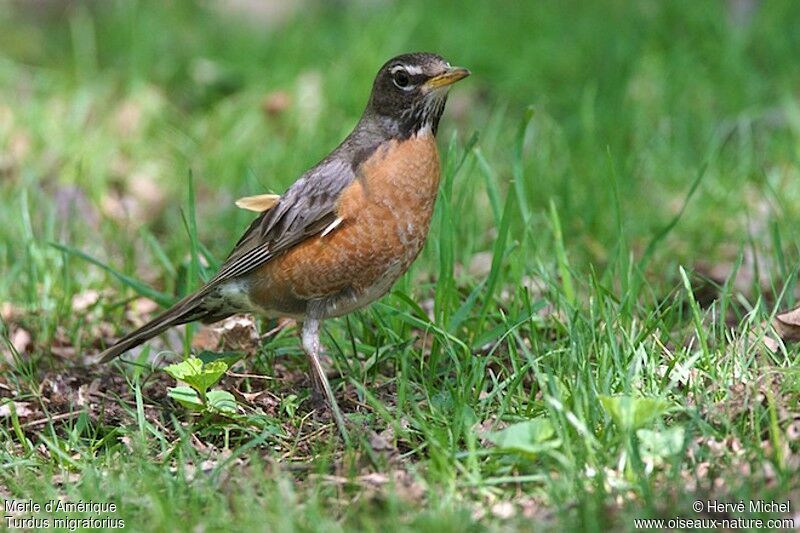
[344, 232]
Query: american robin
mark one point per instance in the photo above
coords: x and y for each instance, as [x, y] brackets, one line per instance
[346, 230]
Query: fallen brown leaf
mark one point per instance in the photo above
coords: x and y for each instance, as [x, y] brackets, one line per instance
[237, 333]
[275, 103]
[21, 340]
[793, 431]
[69, 478]
[771, 344]
[206, 338]
[128, 118]
[139, 198]
[480, 264]
[788, 325]
[84, 300]
[9, 312]
[503, 510]
[139, 311]
[21, 408]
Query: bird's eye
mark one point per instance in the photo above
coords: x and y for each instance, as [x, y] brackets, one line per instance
[401, 79]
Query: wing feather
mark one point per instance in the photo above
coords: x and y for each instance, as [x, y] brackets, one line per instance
[306, 209]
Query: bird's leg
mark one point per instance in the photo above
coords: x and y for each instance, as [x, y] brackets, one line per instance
[311, 345]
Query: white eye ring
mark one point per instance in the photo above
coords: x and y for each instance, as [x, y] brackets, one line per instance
[401, 78]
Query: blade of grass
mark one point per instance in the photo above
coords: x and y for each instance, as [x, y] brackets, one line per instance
[662, 234]
[561, 256]
[697, 318]
[517, 168]
[498, 253]
[140, 288]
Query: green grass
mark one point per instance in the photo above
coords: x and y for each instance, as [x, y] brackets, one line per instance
[619, 218]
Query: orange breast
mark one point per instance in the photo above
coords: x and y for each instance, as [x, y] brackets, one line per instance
[385, 212]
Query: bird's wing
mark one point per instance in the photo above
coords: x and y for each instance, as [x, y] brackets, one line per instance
[306, 209]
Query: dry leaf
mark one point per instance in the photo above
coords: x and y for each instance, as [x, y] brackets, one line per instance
[480, 264]
[237, 333]
[530, 508]
[21, 340]
[793, 431]
[276, 102]
[128, 118]
[788, 325]
[207, 338]
[382, 442]
[21, 408]
[65, 352]
[406, 487]
[478, 512]
[258, 203]
[139, 311]
[84, 300]
[141, 197]
[9, 312]
[503, 510]
[771, 344]
[376, 479]
[69, 478]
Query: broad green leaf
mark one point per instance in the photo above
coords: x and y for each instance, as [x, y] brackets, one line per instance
[186, 368]
[221, 401]
[289, 404]
[187, 397]
[657, 444]
[528, 437]
[199, 376]
[229, 358]
[208, 376]
[629, 413]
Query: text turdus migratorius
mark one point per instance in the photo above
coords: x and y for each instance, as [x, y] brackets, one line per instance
[346, 230]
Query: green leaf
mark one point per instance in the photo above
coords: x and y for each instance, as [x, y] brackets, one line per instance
[629, 413]
[186, 368]
[529, 437]
[208, 377]
[199, 376]
[658, 444]
[229, 358]
[289, 404]
[221, 401]
[187, 397]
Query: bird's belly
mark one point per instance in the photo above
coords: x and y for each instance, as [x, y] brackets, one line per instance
[369, 273]
[345, 270]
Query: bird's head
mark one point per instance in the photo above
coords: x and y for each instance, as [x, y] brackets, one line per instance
[410, 91]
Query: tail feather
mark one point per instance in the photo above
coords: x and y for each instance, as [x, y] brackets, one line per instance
[187, 310]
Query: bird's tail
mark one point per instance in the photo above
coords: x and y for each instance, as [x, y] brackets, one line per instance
[187, 310]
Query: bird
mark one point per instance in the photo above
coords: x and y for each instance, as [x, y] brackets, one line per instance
[340, 236]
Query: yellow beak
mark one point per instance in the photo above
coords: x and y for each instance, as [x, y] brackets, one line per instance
[450, 76]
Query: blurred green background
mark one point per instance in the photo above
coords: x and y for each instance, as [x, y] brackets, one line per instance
[606, 110]
[106, 107]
